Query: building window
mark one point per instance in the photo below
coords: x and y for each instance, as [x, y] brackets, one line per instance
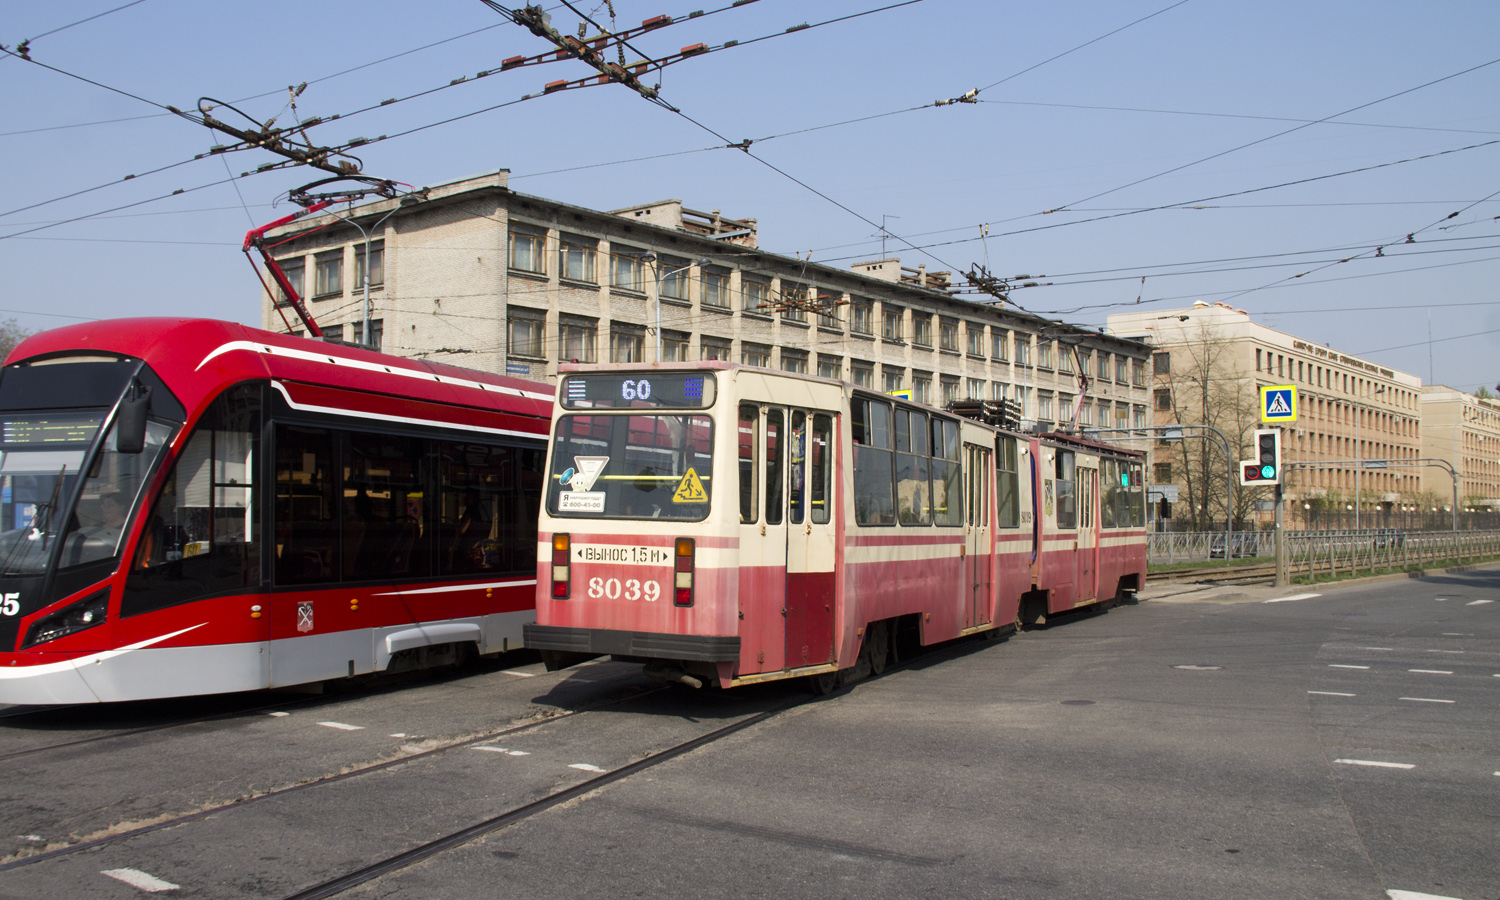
[976, 388]
[1023, 350]
[1065, 406]
[1137, 373]
[577, 339]
[577, 259]
[999, 344]
[1139, 414]
[891, 322]
[1065, 358]
[1043, 406]
[755, 295]
[830, 367]
[716, 287]
[1162, 363]
[794, 302]
[891, 378]
[997, 390]
[921, 387]
[1102, 369]
[1120, 364]
[527, 248]
[627, 343]
[1122, 416]
[828, 311]
[1044, 354]
[1086, 415]
[674, 277]
[794, 361]
[1161, 473]
[862, 317]
[377, 264]
[711, 348]
[921, 329]
[948, 335]
[755, 355]
[975, 335]
[627, 270]
[329, 274]
[1164, 400]
[1258, 353]
[864, 374]
[525, 329]
[293, 269]
[674, 346]
[950, 389]
[377, 333]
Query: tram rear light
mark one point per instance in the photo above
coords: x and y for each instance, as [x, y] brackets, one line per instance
[682, 593]
[562, 586]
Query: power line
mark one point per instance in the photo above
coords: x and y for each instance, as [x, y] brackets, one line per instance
[1179, 112]
[25, 45]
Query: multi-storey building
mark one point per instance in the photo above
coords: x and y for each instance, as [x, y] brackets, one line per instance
[1464, 430]
[482, 276]
[1349, 408]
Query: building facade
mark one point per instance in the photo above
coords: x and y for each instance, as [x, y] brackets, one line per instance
[1210, 361]
[1464, 430]
[477, 275]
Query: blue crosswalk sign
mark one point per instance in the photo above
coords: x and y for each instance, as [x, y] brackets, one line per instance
[1278, 403]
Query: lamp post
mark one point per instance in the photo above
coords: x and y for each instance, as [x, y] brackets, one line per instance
[650, 259]
[411, 199]
[1358, 455]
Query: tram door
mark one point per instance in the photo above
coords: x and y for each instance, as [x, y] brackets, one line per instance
[810, 540]
[1088, 536]
[977, 535]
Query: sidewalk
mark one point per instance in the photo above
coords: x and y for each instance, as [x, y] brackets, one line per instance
[1263, 593]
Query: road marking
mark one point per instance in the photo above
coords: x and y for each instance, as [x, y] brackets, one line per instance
[277, 715]
[1444, 651]
[37, 839]
[342, 727]
[1458, 634]
[1416, 895]
[585, 767]
[1377, 648]
[1478, 602]
[1291, 598]
[1430, 671]
[1427, 700]
[492, 749]
[520, 674]
[517, 753]
[1343, 666]
[1331, 693]
[1441, 599]
[400, 734]
[1377, 764]
[140, 880]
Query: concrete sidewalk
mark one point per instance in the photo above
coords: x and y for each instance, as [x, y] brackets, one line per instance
[1261, 593]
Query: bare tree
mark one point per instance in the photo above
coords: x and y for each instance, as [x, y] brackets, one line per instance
[11, 334]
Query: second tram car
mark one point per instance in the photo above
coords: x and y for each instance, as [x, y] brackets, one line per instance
[728, 525]
[191, 506]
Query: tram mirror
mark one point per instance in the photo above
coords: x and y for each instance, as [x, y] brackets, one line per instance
[130, 424]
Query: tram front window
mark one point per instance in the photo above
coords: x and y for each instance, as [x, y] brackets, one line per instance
[631, 467]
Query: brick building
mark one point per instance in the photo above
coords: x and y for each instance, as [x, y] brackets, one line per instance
[1464, 430]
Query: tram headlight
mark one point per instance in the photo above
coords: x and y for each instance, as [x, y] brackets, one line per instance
[71, 619]
[562, 585]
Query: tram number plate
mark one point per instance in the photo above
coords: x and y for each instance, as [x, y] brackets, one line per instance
[615, 554]
[630, 589]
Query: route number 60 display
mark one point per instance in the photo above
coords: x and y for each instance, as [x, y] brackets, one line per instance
[611, 589]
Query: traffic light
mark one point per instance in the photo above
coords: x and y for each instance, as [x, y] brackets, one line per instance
[1265, 467]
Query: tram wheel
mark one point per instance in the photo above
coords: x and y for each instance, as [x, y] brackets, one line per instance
[878, 647]
[824, 684]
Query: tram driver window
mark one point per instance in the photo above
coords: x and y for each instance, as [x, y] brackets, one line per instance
[1067, 504]
[870, 422]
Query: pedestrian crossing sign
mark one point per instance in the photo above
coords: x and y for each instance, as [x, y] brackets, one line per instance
[1278, 403]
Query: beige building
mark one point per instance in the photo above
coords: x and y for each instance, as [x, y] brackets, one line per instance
[1464, 430]
[1348, 408]
[478, 275]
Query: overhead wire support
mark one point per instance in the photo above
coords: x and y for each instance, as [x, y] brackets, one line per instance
[275, 140]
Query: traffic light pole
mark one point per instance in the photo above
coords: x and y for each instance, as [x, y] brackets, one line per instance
[1281, 548]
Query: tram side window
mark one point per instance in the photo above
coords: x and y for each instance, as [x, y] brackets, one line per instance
[307, 513]
[870, 422]
[203, 534]
[913, 489]
[947, 492]
[384, 501]
[1109, 475]
[749, 441]
[820, 468]
[1008, 479]
[1067, 501]
[486, 520]
[1134, 497]
[775, 451]
[797, 474]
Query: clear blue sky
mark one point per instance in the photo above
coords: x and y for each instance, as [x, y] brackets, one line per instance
[1074, 133]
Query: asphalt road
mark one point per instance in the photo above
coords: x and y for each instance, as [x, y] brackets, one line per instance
[1345, 745]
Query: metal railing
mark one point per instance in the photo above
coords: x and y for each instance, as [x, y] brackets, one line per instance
[1312, 554]
[1190, 546]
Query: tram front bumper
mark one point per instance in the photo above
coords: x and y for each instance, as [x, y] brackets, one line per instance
[639, 644]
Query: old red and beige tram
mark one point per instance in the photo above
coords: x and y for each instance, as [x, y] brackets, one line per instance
[728, 525]
[192, 506]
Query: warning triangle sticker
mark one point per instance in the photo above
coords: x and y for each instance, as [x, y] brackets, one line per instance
[1278, 405]
[690, 489]
[589, 468]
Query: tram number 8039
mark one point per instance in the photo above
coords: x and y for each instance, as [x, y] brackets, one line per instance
[612, 588]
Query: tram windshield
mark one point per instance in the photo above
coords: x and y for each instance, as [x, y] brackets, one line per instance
[631, 466]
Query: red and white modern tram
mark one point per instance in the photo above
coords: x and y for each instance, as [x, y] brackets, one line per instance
[192, 507]
[728, 525]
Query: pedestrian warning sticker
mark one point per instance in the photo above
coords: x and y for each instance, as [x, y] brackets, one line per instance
[690, 489]
[1278, 403]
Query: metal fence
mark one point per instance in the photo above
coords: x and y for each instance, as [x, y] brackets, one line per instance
[1314, 553]
[1190, 546]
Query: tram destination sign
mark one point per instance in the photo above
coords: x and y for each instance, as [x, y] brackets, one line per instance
[637, 390]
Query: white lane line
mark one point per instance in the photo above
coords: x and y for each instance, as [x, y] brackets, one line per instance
[1292, 598]
[277, 715]
[399, 734]
[1443, 651]
[585, 767]
[342, 727]
[140, 880]
[493, 749]
[1478, 602]
[1375, 763]
[1377, 648]
[517, 753]
[520, 674]
[1331, 693]
[1427, 700]
[1441, 599]
[1343, 666]
[1430, 671]
[33, 838]
[1458, 634]
[1415, 895]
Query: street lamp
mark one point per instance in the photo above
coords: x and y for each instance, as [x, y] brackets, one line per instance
[650, 259]
[1357, 464]
[411, 199]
